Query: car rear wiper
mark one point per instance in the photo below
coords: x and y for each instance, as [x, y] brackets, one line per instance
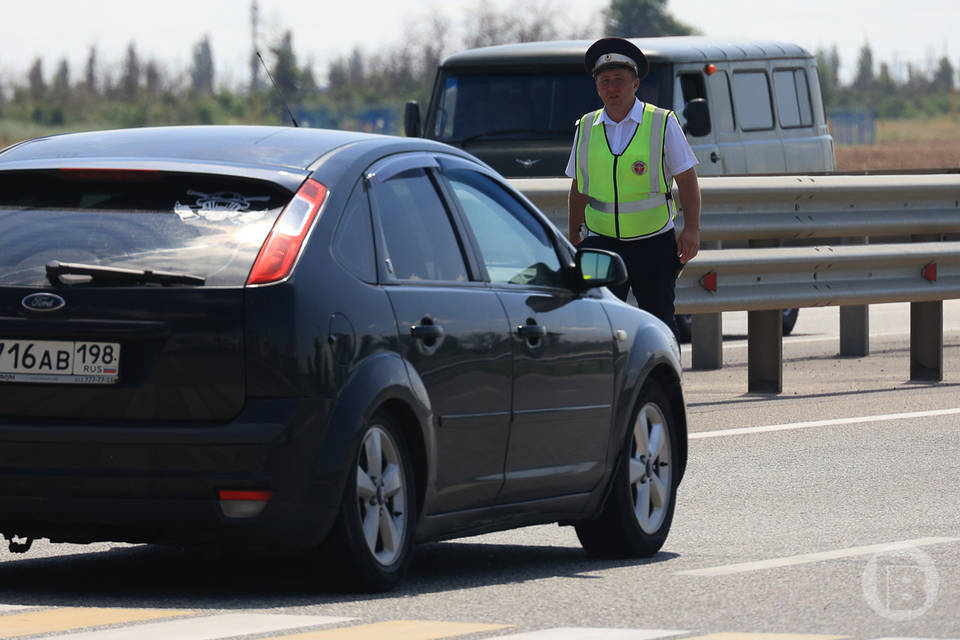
[117, 276]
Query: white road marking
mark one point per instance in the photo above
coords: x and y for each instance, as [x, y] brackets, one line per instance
[586, 633]
[824, 423]
[807, 558]
[7, 608]
[205, 628]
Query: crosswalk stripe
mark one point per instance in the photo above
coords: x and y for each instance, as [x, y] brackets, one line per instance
[396, 630]
[764, 636]
[213, 627]
[67, 618]
[587, 633]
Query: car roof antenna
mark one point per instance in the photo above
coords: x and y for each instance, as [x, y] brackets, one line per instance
[277, 87]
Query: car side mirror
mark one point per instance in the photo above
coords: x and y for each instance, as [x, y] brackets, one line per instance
[697, 115]
[598, 268]
[411, 119]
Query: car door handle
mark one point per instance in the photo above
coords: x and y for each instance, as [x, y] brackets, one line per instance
[426, 331]
[529, 331]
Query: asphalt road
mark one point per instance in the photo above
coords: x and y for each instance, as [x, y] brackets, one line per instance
[830, 510]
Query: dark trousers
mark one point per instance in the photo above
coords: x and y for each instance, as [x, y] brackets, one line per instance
[652, 268]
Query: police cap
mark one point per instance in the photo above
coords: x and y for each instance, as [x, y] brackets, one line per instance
[611, 52]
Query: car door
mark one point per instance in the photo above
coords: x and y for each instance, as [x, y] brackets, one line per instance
[562, 347]
[452, 331]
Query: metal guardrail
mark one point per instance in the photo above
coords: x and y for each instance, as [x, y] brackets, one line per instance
[800, 207]
[763, 281]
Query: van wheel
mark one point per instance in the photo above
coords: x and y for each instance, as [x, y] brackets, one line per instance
[636, 517]
[373, 535]
[789, 320]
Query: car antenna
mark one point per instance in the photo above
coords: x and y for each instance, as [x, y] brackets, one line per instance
[283, 98]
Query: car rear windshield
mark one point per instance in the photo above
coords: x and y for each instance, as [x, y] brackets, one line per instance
[507, 106]
[204, 225]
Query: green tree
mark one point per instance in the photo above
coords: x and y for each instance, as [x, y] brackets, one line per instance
[943, 76]
[286, 74]
[130, 78]
[38, 87]
[202, 70]
[642, 18]
[90, 76]
[61, 81]
[863, 81]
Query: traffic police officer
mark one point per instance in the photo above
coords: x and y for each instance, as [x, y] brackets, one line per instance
[623, 163]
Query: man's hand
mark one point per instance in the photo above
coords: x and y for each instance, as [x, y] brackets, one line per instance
[688, 244]
[688, 241]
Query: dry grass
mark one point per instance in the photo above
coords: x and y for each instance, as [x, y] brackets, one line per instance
[904, 145]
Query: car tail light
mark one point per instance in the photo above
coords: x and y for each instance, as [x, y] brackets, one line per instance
[243, 503]
[282, 246]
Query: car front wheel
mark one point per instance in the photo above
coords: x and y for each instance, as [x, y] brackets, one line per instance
[373, 535]
[636, 517]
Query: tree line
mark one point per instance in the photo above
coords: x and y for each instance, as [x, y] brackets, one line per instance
[360, 90]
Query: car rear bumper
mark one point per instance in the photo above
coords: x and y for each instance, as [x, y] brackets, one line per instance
[162, 483]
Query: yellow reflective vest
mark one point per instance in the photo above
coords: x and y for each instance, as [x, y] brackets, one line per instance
[628, 194]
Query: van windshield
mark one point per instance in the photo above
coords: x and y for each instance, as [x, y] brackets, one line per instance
[517, 105]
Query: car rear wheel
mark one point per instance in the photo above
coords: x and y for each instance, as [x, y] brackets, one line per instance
[373, 535]
[636, 517]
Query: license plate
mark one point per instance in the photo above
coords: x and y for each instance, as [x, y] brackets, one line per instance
[59, 361]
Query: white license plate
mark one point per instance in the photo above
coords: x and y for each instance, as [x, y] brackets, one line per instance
[59, 361]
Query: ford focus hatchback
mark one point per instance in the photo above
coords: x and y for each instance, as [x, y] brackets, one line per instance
[335, 342]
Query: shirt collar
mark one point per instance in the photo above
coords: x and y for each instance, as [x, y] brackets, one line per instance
[635, 116]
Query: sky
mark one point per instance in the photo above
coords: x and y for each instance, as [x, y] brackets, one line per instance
[920, 31]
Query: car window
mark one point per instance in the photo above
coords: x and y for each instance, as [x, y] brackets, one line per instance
[353, 241]
[516, 249]
[420, 240]
[751, 97]
[206, 225]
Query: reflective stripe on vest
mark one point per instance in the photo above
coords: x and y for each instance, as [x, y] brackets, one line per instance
[627, 193]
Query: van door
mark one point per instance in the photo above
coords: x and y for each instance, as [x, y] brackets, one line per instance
[729, 145]
[753, 110]
[689, 84]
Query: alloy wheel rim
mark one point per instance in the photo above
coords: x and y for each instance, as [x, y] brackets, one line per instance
[651, 481]
[381, 495]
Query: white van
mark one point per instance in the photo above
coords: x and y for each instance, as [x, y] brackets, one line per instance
[746, 107]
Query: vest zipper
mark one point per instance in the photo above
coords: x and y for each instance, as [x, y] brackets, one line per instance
[616, 198]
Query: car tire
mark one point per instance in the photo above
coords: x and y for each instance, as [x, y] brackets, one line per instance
[373, 536]
[684, 326]
[789, 320]
[638, 511]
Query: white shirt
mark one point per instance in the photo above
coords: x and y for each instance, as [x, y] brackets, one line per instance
[677, 154]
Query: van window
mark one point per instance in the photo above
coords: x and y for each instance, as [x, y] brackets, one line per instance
[751, 97]
[793, 98]
[722, 102]
[504, 106]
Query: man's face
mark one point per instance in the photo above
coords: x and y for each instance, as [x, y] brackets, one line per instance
[617, 88]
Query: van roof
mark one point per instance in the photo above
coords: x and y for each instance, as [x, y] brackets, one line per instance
[666, 49]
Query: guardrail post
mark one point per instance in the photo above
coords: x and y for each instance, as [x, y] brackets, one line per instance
[926, 341]
[855, 330]
[765, 351]
[855, 322]
[706, 336]
[706, 332]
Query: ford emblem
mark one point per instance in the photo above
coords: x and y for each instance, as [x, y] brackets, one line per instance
[43, 302]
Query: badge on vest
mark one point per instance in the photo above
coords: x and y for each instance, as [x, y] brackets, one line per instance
[639, 167]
